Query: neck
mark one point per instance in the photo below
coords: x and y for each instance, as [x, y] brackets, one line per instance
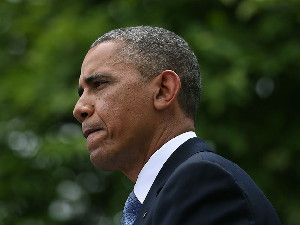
[164, 132]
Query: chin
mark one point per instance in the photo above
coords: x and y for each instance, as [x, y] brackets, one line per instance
[101, 162]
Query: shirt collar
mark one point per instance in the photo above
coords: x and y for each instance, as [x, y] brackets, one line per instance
[151, 169]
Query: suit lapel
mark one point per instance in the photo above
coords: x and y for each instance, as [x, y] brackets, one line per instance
[182, 153]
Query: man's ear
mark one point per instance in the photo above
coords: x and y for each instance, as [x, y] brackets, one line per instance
[167, 85]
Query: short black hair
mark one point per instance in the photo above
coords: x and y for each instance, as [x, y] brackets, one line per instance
[155, 49]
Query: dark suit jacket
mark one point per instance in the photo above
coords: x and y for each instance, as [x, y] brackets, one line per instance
[198, 187]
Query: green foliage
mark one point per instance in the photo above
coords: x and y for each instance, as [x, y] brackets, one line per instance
[249, 54]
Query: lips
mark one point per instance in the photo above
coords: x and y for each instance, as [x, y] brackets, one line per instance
[88, 131]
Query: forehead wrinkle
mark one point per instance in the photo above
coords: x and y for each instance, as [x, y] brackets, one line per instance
[118, 57]
[107, 57]
[91, 67]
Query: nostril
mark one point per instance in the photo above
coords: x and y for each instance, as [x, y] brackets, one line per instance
[84, 114]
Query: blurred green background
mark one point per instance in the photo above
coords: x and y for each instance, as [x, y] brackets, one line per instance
[249, 54]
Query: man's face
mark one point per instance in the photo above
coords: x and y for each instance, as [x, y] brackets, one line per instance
[114, 108]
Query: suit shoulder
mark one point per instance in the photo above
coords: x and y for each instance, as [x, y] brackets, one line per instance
[216, 176]
[216, 163]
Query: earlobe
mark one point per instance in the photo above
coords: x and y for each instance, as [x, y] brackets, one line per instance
[168, 85]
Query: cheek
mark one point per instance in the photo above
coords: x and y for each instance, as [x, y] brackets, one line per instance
[122, 110]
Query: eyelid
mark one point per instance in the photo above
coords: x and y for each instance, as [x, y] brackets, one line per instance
[99, 82]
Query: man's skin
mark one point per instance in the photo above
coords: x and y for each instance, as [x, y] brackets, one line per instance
[125, 117]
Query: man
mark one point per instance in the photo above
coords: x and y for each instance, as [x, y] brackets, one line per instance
[139, 91]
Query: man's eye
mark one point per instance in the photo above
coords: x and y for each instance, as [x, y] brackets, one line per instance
[99, 83]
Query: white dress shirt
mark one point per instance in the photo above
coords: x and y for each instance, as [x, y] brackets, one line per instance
[151, 169]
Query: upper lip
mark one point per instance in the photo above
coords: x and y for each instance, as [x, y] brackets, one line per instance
[87, 131]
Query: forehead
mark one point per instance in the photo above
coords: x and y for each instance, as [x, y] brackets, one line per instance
[107, 59]
[102, 55]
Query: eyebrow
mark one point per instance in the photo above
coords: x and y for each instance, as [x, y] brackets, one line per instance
[91, 79]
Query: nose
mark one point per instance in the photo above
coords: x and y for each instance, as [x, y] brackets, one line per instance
[82, 111]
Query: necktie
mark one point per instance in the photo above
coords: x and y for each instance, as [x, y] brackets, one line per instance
[131, 209]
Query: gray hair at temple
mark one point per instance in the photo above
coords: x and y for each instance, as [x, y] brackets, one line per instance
[153, 50]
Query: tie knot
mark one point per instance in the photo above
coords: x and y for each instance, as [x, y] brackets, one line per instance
[131, 209]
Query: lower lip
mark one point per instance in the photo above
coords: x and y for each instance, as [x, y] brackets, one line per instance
[94, 139]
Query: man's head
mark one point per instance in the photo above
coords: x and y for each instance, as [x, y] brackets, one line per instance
[135, 88]
[153, 50]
